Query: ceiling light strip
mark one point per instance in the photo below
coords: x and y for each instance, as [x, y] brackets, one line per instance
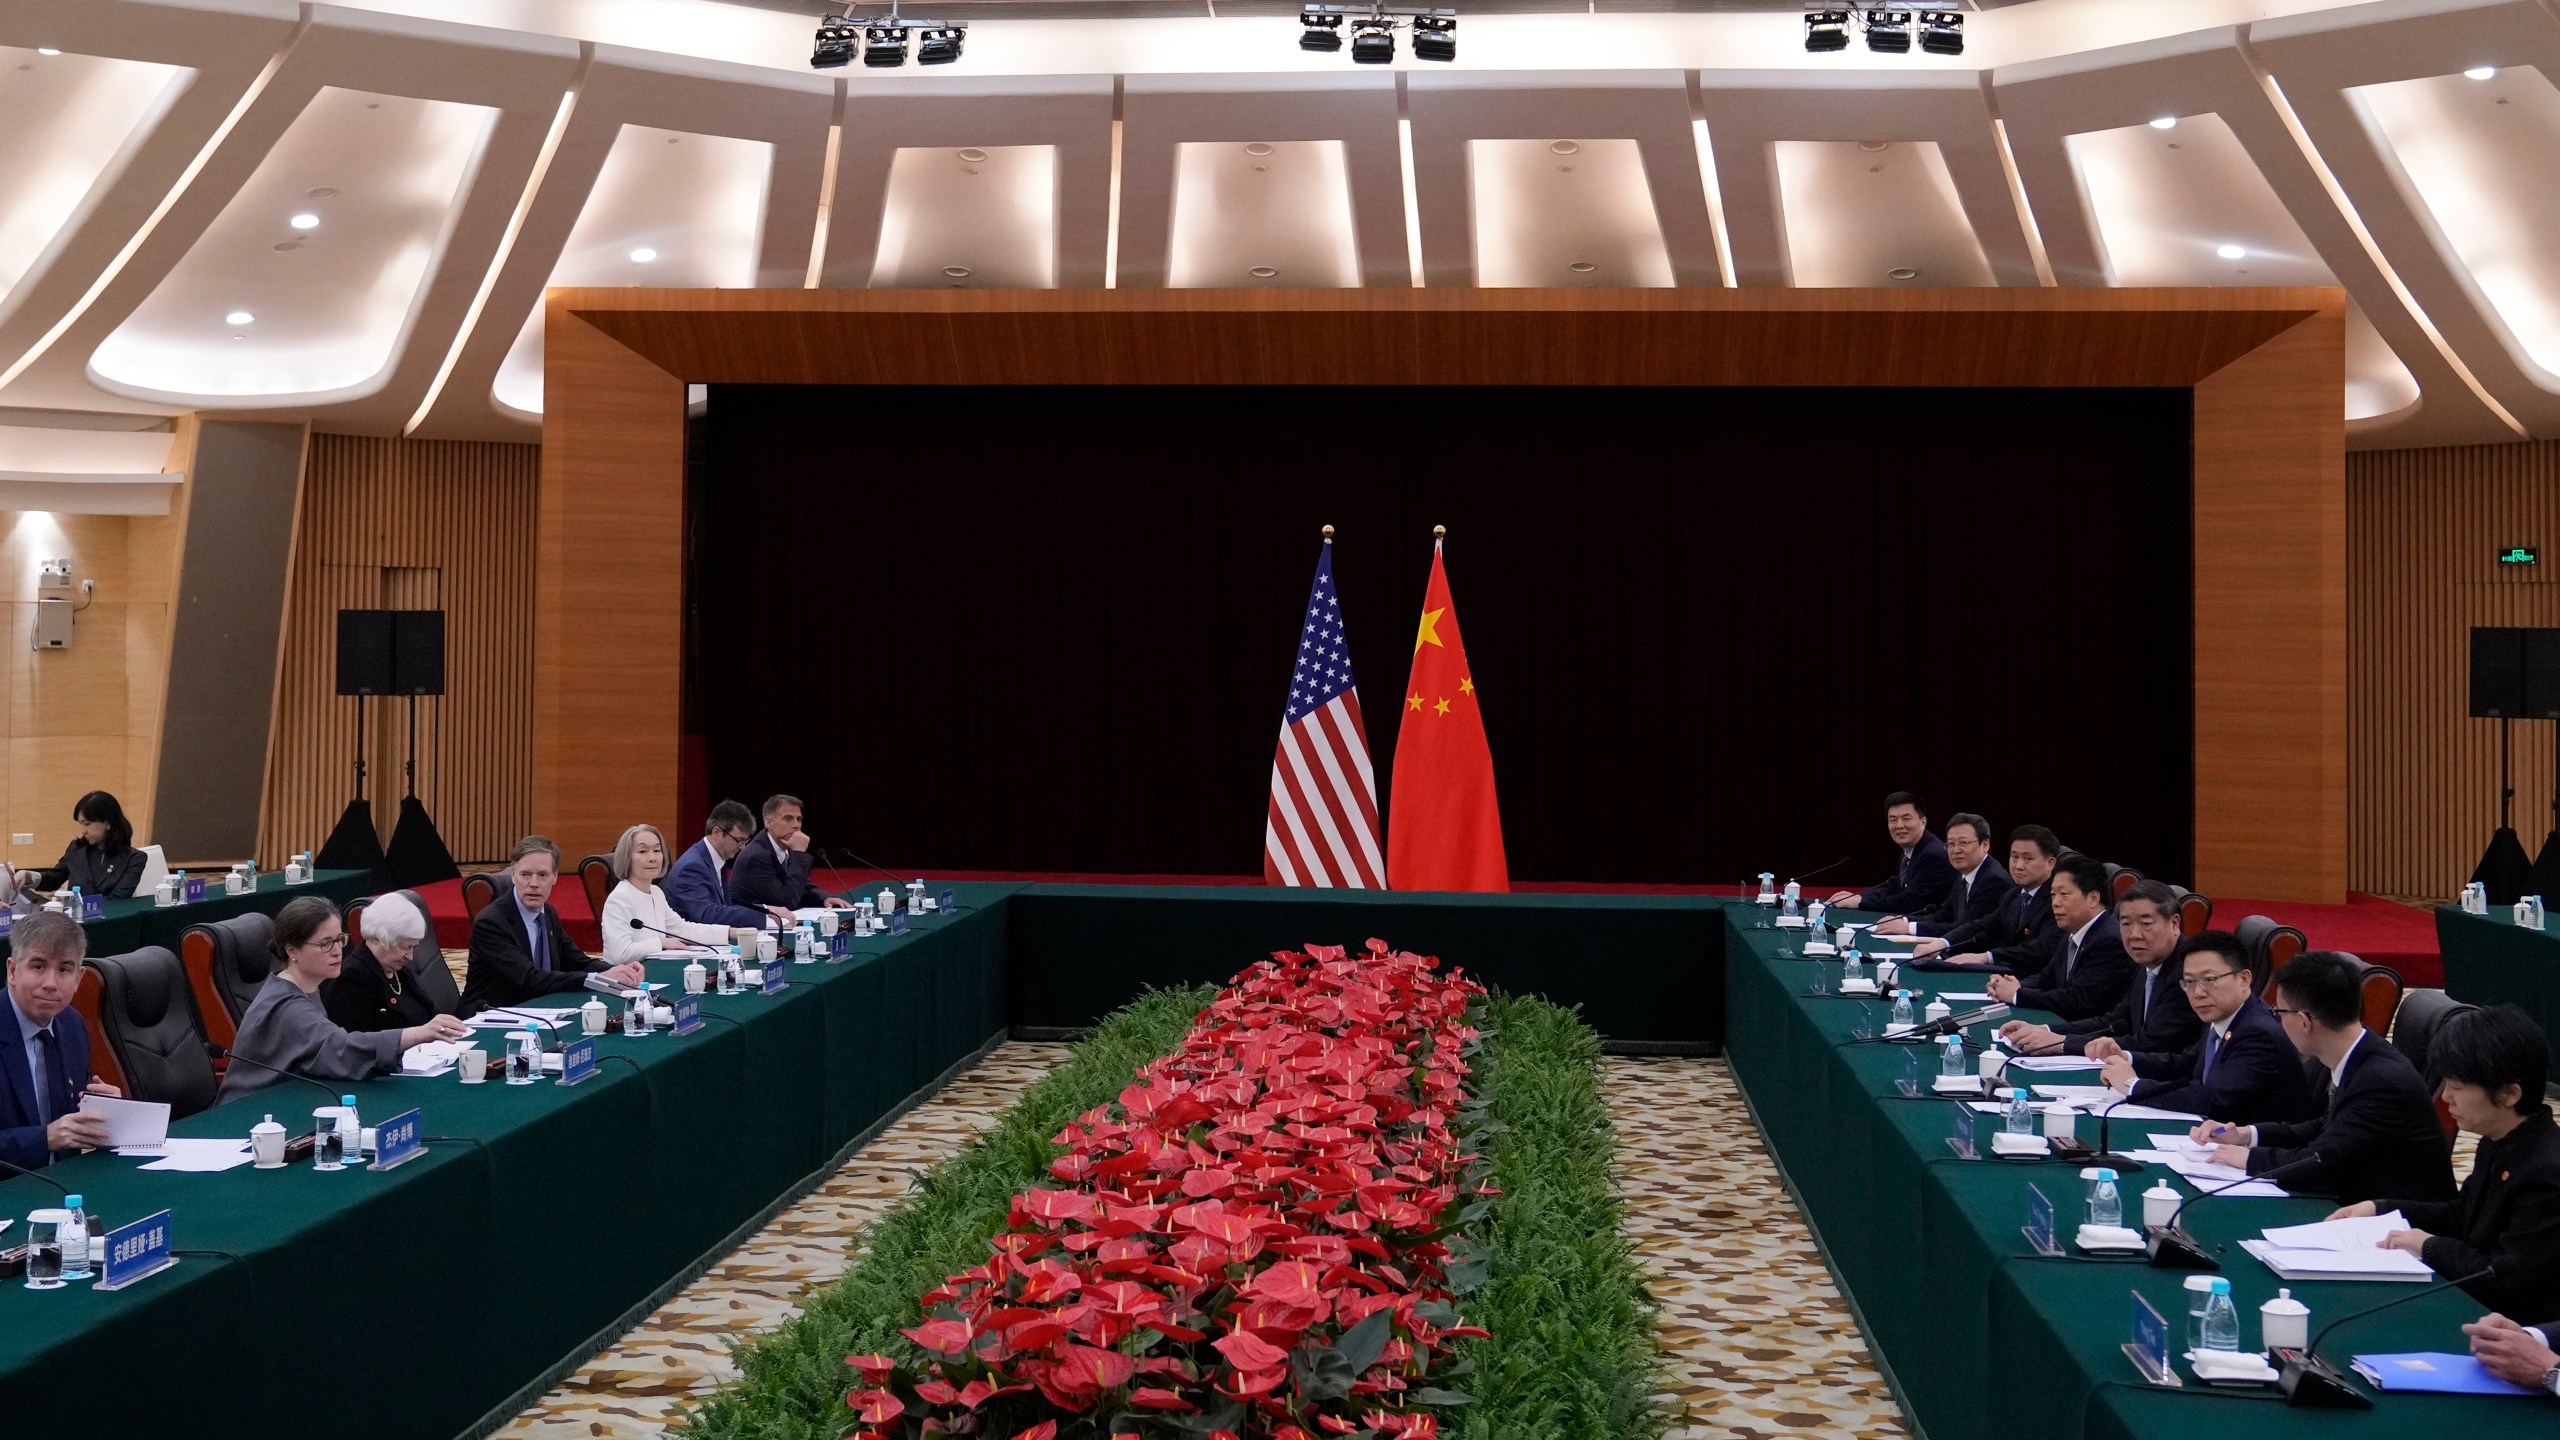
[142, 233]
[498, 261]
[1412, 196]
[1715, 190]
[2302, 141]
[2018, 199]
[1111, 232]
[826, 205]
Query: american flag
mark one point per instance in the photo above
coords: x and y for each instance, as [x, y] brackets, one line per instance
[1323, 825]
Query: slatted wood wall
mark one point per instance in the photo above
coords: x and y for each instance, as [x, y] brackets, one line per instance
[2423, 528]
[411, 524]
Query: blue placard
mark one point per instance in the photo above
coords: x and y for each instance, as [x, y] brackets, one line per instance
[7, 919]
[688, 1015]
[2039, 1225]
[577, 1061]
[136, 1250]
[840, 944]
[195, 888]
[93, 907]
[2149, 1347]
[773, 977]
[946, 902]
[1960, 1139]
[898, 922]
[397, 1141]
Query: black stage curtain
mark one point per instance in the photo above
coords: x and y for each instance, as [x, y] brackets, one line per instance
[1050, 629]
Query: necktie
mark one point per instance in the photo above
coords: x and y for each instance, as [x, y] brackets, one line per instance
[2070, 957]
[2212, 1047]
[541, 944]
[49, 1086]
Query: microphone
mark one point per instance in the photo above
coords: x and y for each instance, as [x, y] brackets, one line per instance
[1819, 870]
[830, 857]
[2172, 1248]
[37, 1175]
[2307, 1380]
[639, 924]
[2105, 1153]
[1953, 1023]
[219, 1053]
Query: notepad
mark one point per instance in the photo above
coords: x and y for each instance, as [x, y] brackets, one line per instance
[2374, 1264]
[2434, 1373]
[129, 1122]
[203, 1156]
[2359, 1234]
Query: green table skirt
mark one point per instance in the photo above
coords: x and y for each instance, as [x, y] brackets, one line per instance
[2490, 960]
[131, 924]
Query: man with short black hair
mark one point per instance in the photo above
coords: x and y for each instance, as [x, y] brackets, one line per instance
[1921, 877]
[44, 1046]
[2490, 1067]
[2376, 1133]
[2152, 1015]
[773, 869]
[2020, 934]
[1981, 882]
[2241, 1067]
[697, 884]
[2085, 974]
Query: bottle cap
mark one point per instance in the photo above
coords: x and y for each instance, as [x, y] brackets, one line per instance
[2106, 1175]
[72, 1201]
[348, 1100]
[2221, 1286]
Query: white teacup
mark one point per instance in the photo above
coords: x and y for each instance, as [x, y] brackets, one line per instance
[266, 1145]
[475, 1067]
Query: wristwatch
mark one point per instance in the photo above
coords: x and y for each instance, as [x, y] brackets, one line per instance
[2551, 1381]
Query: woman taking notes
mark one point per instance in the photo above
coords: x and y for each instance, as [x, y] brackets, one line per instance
[102, 860]
[378, 987]
[287, 1028]
[639, 858]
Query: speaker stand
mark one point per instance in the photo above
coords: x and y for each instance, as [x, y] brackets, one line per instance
[418, 855]
[2505, 870]
[353, 843]
[2544, 877]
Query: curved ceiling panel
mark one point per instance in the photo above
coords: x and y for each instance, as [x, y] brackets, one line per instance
[305, 284]
[973, 218]
[2477, 153]
[1564, 212]
[669, 208]
[68, 118]
[1875, 212]
[1257, 214]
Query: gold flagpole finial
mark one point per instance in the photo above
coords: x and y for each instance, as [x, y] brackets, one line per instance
[1439, 532]
[1328, 534]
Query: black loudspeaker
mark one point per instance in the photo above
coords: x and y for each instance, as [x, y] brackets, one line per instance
[2541, 675]
[364, 652]
[417, 652]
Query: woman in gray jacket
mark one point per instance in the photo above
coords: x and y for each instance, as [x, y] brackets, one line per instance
[287, 1026]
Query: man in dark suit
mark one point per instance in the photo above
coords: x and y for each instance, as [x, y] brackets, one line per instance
[1981, 883]
[2085, 974]
[698, 884]
[2490, 1067]
[773, 869]
[2152, 1015]
[2376, 1133]
[519, 948]
[44, 1046]
[2241, 1067]
[2020, 934]
[1920, 877]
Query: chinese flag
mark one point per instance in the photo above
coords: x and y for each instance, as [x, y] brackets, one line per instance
[1444, 823]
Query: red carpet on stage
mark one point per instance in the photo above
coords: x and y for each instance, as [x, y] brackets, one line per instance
[2381, 931]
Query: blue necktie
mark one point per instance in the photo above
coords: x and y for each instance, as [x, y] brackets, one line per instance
[2212, 1047]
[49, 1085]
[541, 944]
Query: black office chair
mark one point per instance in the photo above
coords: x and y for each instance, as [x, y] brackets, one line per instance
[241, 955]
[2195, 912]
[2422, 1014]
[2269, 945]
[426, 967]
[150, 1019]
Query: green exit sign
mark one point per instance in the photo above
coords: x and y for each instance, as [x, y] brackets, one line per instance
[2519, 555]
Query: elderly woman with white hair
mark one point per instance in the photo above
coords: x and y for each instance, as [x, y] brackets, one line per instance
[379, 987]
[640, 860]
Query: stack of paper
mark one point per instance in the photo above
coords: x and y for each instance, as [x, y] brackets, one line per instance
[434, 1057]
[2339, 1264]
[2054, 1062]
[2359, 1234]
[197, 1155]
[131, 1124]
[506, 1018]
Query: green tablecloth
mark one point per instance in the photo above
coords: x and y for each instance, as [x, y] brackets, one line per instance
[414, 1302]
[134, 923]
[1980, 1335]
[2491, 960]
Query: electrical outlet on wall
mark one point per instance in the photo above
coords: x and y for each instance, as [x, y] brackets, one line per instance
[18, 839]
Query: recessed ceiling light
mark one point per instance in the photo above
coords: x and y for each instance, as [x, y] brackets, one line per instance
[2232, 252]
[1257, 148]
[321, 192]
[288, 245]
[305, 221]
[1566, 147]
[239, 317]
[956, 272]
[2476, 72]
[49, 50]
[1902, 272]
[643, 255]
[1262, 272]
[2165, 122]
[973, 155]
[1873, 147]
[1582, 267]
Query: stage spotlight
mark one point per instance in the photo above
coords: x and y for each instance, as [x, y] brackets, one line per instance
[1435, 37]
[1373, 40]
[837, 41]
[884, 46]
[1942, 32]
[1888, 31]
[940, 45]
[1319, 31]
[1826, 30]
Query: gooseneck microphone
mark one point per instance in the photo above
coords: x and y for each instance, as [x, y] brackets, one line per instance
[639, 924]
[236, 1058]
[2172, 1248]
[2308, 1380]
[37, 1175]
[1819, 871]
[830, 857]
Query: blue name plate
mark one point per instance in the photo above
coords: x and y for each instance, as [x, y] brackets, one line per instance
[2039, 1227]
[396, 1141]
[898, 923]
[195, 889]
[577, 1061]
[136, 1250]
[946, 902]
[93, 907]
[688, 1015]
[773, 977]
[2149, 1347]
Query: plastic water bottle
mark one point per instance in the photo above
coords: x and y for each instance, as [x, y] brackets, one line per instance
[1813, 914]
[350, 1130]
[75, 1240]
[328, 1143]
[2021, 1119]
[1901, 1008]
[2221, 1321]
[1951, 1057]
[1853, 966]
[635, 1014]
[2106, 1207]
[1792, 901]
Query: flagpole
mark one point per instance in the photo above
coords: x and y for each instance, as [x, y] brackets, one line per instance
[1328, 534]
[1438, 534]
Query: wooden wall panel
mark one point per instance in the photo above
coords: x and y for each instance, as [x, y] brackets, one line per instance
[411, 524]
[2423, 526]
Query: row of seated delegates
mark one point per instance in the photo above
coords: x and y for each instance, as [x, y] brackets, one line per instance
[2241, 1066]
[1921, 877]
[772, 870]
[101, 858]
[44, 1046]
[2151, 1015]
[2018, 933]
[638, 900]
[519, 948]
[698, 884]
[1981, 883]
[378, 987]
[2085, 970]
[286, 1027]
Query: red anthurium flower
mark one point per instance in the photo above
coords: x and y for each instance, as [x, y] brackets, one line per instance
[948, 1337]
[938, 1392]
[1249, 1352]
[1103, 1369]
[876, 1407]
[1291, 1282]
[873, 1367]
[1160, 1399]
[1045, 1430]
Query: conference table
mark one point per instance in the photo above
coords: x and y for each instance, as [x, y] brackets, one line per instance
[2491, 960]
[133, 922]
[1979, 1334]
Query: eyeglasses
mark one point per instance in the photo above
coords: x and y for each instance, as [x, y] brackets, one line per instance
[2281, 1010]
[334, 942]
[2193, 983]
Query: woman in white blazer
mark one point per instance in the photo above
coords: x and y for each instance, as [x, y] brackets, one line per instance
[639, 858]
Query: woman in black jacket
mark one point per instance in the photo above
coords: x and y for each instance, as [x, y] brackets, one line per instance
[102, 861]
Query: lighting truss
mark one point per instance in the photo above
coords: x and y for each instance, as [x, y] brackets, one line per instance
[881, 41]
[1890, 29]
[1373, 31]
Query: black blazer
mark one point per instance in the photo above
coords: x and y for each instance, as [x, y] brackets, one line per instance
[1967, 902]
[2018, 936]
[22, 1109]
[360, 999]
[2509, 1212]
[2378, 1133]
[1919, 882]
[502, 970]
[2078, 985]
[2257, 1077]
[759, 877]
[96, 869]
[2153, 1016]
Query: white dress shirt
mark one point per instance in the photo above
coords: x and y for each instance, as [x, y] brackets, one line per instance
[629, 902]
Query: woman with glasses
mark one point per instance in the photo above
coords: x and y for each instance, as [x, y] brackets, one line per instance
[287, 1028]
